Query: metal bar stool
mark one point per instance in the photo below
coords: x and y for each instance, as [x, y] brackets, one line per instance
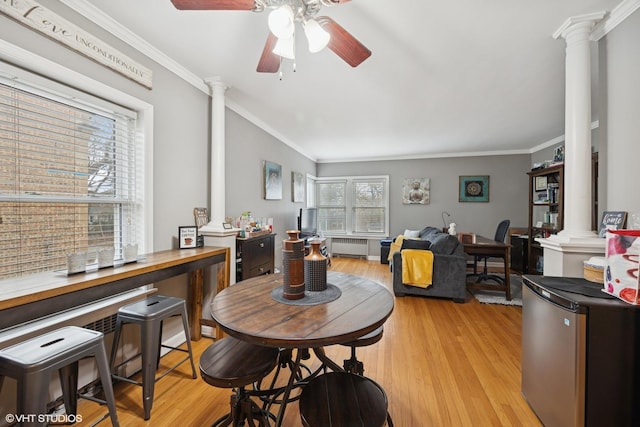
[231, 363]
[31, 363]
[343, 399]
[353, 365]
[149, 314]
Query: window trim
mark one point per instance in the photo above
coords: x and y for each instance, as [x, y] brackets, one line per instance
[47, 74]
[349, 204]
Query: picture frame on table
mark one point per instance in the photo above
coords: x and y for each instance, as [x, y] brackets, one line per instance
[540, 183]
[612, 220]
[473, 188]
[187, 236]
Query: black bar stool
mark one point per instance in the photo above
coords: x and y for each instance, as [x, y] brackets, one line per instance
[343, 399]
[31, 363]
[353, 365]
[149, 314]
[232, 363]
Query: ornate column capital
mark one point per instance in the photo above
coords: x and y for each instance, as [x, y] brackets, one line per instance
[216, 84]
[579, 23]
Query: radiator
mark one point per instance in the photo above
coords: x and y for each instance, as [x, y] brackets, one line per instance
[106, 325]
[349, 246]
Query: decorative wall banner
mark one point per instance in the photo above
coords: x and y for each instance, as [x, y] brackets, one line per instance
[38, 18]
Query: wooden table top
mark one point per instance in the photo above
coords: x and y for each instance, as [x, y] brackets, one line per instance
[248, 312]
[17, 291]
[485, 241]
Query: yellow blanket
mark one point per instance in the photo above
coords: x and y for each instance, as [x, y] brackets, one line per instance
[395, 246]
[417, 267]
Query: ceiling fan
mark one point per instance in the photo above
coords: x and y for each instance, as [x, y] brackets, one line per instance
[321, 31]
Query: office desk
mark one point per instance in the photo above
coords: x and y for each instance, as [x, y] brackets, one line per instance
[490, 247]
[24, 299]
[248, 312]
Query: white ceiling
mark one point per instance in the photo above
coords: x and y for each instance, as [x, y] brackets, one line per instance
[445, 77]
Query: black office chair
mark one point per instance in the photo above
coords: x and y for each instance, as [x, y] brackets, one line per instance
[501, 234]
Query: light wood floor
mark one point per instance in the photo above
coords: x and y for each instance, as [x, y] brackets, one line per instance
[441, 364]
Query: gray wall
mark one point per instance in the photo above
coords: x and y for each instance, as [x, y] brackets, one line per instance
[508, 194]
[247, 147]
[620, 77]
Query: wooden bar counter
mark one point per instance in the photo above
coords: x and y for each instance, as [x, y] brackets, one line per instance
[24, 299]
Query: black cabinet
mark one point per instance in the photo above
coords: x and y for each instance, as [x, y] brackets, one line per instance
[519, 253]
[254, 256]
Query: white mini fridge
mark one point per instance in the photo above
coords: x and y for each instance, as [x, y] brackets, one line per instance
[580, 354]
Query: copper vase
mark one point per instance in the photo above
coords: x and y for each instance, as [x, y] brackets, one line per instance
[315, 269]
[293, 266]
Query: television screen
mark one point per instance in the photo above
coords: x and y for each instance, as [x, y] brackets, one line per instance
[308, 222]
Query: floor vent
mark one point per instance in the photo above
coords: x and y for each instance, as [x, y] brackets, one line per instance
[349, 246]
[105, 325]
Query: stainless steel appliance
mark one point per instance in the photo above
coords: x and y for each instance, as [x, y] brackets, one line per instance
[580, 354]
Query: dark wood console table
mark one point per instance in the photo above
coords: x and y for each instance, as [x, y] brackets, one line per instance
[24, 299]
[254, 256]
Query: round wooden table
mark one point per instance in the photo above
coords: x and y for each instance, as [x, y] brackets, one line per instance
[248, 311]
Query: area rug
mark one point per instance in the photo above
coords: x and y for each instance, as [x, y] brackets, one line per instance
[498, 297]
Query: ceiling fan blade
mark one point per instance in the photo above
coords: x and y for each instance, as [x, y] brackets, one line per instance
[269, 61]
[343, 44]
[339, 1]
[214, 4]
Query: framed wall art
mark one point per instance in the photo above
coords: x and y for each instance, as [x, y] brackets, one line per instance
[415, 191]
[297, 187]
[272, 181]
[474, 188]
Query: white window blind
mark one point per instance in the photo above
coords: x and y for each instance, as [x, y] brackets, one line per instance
[332, 205]
[68, 179]
[369, 206]
[353, 205]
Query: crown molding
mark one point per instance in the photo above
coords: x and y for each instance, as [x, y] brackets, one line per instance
[559, 139]
[104, 21]
[426, 156]
[617, 15]
[244, 113]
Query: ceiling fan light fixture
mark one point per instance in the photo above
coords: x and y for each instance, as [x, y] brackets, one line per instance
[317, 36]
[281, 22]
[285, 48]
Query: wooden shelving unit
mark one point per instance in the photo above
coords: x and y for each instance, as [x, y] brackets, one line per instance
[546, 211]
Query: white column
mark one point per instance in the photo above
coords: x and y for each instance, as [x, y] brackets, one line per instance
[577, 172]
[214, 233]
[565, 252]
[217, 209]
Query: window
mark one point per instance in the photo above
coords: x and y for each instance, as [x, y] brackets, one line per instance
[70, 178]
[353, 205]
